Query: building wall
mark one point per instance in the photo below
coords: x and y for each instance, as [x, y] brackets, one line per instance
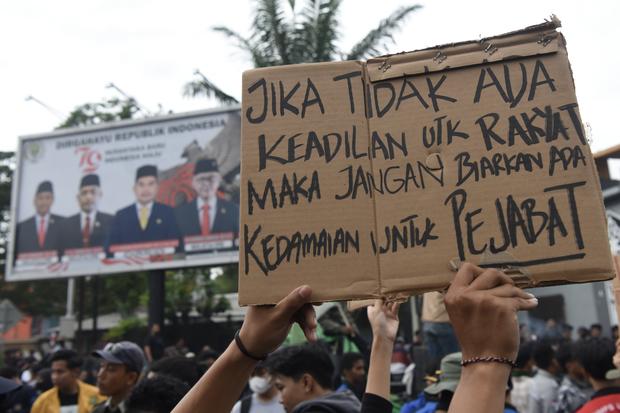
[584, 304]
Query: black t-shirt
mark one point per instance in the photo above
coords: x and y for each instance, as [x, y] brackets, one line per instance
[156, 344]
[68, 402]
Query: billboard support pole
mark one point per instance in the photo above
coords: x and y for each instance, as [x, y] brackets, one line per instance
[95, 308]
[80, 310]
[157, 297]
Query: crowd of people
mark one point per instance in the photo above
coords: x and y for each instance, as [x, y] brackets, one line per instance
[498, 366]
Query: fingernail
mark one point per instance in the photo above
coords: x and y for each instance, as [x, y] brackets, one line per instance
[530, 295]
[305, 292]
[532, 300]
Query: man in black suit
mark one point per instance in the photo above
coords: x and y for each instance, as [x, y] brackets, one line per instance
[207, 214]
[145, 220]
[89, 227]
[42, 231]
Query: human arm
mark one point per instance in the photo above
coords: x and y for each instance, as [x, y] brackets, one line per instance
[148, 354]
[383, 318]
[483, 306]
[264, 329]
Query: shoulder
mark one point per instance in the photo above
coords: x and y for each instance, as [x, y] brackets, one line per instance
[223, 203]
[159, 207]
[73, 219]
[103, 216]
[44, 397]
[186, 206]
[126, 211]
[26, 222]
[91, 392]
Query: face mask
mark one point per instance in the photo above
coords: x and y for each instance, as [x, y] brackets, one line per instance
[260, 385]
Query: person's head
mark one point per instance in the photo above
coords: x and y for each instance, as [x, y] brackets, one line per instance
[146, 185]
[261, 382]
[567, 331]
[544, 358]
[567, 358]
[596, 330]
[155, 328]
[89, 193]
[301, 373]
[583, 333]
[66, 365]
[207, 357]
[120, 368]
[206, 178]
[43, 379]
[525, 361]
[614, 332]
[10, 373]
[181, 368]
[596, 357]
[44, 198]
[449, 377]
[159, 394]
[353, 368]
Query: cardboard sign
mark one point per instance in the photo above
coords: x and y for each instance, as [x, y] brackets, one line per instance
[372, 179]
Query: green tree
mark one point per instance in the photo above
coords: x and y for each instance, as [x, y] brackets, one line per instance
[302, 34]
[110, 110]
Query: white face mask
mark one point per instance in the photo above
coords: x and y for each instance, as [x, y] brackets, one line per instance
[260, 385]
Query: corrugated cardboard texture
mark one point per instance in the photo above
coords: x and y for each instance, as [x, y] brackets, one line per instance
[367, 180]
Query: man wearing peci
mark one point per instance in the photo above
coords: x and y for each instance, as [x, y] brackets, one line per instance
[89, 227]
[207, 213]
[145, 220]
[42, 231]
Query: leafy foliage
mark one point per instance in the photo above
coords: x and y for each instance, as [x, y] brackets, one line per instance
[99, 112]
[302, 34]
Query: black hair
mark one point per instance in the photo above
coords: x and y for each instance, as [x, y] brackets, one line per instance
[8, 372]
[182, 368]
[596, 325]
[295, 361]
[596, 356]
[565, 354]
[543, 355]
[159, 394]
[348, 360]
[74, 361]
[524, 355]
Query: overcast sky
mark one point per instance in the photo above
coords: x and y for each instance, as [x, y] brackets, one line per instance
[64, 53]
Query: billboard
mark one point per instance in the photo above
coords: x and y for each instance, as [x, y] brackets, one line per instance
[134, 195]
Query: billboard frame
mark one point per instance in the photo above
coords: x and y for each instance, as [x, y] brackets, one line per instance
[11, 276]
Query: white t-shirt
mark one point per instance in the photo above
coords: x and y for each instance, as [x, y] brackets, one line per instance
[259, 406]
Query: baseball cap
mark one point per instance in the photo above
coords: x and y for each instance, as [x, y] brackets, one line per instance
[7, 386]
[123, 352]
[449, 376]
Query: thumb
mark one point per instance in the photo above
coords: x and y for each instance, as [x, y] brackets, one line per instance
[289, 305]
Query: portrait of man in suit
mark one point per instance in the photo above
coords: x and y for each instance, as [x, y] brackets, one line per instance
[145, 220]
[89, 227]
[42, 231]
[207, 214]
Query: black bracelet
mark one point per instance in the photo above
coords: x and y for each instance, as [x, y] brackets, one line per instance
[245, 350]
[489, 359]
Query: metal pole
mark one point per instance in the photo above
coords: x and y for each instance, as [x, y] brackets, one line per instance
[95, 308]
[157, 297]
[70, 294]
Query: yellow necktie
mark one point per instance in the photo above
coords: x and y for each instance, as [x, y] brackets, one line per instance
[144, 217]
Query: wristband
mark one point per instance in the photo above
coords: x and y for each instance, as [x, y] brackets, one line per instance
[245, 350]
[489, 359]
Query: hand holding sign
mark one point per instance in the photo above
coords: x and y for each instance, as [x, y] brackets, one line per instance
[266, 327]
[483, 306]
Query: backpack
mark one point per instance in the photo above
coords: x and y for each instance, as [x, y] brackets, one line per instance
[246, 404]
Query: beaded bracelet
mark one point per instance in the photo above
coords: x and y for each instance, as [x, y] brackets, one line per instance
[245, 350]
[489, 359]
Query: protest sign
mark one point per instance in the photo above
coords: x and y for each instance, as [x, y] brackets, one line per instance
[371, 179]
